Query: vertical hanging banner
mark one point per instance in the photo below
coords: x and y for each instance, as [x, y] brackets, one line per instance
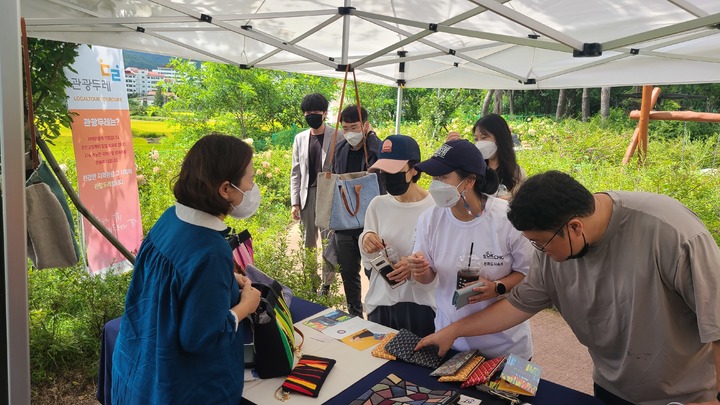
[104, 157]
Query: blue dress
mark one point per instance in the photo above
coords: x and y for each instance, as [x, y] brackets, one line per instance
[178, 342]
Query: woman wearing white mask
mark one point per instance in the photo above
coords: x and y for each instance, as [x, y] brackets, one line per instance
[467, 217]
[494, 140]
[179, 340]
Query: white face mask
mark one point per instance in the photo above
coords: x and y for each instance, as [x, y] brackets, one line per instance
[445, 195]
[353, 138]
[487, 148]
[249, 203]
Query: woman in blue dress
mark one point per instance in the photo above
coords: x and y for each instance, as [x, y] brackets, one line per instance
[179, 341]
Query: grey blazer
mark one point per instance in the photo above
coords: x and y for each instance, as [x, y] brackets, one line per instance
[299, 172]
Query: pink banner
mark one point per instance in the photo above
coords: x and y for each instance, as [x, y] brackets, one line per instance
[104, 157]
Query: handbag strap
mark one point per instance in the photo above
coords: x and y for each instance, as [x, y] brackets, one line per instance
[297, 349]
[350, 211]
[30, 123]
[339, 118]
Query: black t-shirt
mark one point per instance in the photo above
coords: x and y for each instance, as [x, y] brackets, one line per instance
[355, 160]
[315, 158]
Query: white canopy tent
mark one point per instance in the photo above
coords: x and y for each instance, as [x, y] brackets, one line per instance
[491, 44]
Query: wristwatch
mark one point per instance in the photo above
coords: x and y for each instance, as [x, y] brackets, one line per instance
[500, 290]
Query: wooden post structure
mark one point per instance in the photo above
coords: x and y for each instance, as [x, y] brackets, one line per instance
[679, 116]
[640, 136]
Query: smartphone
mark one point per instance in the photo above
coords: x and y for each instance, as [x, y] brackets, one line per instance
[383, 267]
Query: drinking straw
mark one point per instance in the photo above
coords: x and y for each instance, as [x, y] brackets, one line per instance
[472, 245]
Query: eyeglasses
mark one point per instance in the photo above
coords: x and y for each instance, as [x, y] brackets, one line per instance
[544, 245]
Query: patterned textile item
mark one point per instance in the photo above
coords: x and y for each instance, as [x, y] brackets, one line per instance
[394, 390]
[379, 350]
[403, 346]
[308, 376]
[455, 363]
[484, 372]
[464, 372]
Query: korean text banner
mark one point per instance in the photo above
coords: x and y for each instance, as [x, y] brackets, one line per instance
[104, 156]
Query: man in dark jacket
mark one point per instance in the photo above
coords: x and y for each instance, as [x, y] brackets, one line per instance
[356, 152]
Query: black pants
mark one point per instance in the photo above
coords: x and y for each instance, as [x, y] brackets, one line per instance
[348, 254]
[418, 319]
[608, 397]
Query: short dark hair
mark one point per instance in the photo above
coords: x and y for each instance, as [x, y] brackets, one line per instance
[508, 170]
[314, 102]
[212, 160]
[350, 114]
[487, 184]
[547, 200]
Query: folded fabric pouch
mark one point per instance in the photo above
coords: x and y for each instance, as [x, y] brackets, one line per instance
[484, 372]
[403, 347]
[463, 374]
[306, 378]
[379, 350]
[455, 363]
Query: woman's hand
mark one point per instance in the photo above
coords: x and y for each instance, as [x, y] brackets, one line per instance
[482, 292]
[420, 268]
[249, 300]
[443, 339]
[371, 242]
[242, 280]
[452, 135]
[401, 272]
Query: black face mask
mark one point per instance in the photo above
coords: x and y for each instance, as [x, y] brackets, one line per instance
[395, 184]
[314, 120]
[582, 251]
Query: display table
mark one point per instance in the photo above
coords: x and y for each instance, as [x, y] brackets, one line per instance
[342, 385]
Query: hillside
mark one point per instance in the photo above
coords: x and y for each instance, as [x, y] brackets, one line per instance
[144, 60]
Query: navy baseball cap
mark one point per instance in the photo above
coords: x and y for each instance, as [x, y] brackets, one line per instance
[458, 154]
[395, 152]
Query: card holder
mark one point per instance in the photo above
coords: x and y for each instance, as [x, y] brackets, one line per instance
[403, 347]
[484, 372]
[464, 372]
[461, 296]
[455, 363]
[307, 377]
[379, 350]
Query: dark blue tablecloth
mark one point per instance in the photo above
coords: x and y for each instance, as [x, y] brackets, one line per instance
[548, 393]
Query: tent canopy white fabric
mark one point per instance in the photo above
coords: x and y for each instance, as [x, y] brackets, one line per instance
[490, 44]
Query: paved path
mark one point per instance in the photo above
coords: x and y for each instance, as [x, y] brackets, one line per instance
[564, 360]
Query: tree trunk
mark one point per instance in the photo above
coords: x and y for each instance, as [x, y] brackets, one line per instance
[497, 104]
[605, 103]
[486, 102]
[559, 112]
[512, 102]
[585, 104]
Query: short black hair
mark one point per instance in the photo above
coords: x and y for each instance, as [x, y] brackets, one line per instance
[211, 161]
[314, 102]
[350, 114]
[547, 200]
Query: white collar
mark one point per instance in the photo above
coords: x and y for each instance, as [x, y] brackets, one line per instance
[200, 218]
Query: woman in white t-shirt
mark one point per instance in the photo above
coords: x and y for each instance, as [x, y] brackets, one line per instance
[391, 218]
[467, 215]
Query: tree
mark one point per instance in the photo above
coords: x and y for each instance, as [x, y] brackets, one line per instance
[246, 102]
[585, 104]
[605, 103]
[486, 102]
[560, 111]
[498, 102]
[48, 60]
[159, 100]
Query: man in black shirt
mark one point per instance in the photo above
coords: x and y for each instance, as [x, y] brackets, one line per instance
[350, 157]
